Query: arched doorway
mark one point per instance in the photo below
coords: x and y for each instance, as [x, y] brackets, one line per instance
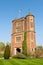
[18, 50]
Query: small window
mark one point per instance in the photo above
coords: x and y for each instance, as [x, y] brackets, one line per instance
[18, 39]
[30, 20]
[32, 49]
[18, 29]
[18, 24]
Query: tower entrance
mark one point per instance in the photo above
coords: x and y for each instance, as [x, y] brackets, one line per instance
[18, 50]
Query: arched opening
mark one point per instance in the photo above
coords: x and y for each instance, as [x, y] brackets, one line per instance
[18, 50]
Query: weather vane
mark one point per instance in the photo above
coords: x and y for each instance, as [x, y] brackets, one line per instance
[28, 10]
[20, 12]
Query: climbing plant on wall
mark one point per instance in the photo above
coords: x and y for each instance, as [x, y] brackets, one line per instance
[24, 45]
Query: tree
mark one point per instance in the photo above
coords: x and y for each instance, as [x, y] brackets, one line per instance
[24, 45]
[7, 52]
[2, 46]
[39, 51]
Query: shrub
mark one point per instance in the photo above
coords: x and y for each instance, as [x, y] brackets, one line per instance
[7, 52]
[39, 52]
[2, 46]
[1, 55]
[20, 56]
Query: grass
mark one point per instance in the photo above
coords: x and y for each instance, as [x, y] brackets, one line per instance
[16, 61]
[1, 55]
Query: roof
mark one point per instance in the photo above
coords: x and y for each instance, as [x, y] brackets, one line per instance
[18, 19]
[30, 14]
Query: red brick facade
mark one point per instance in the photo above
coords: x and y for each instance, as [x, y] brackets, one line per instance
[19, 26]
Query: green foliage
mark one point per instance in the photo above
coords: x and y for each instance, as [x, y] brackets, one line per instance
[24, 45]
[7, 52]
[39, 52]
[1, 55]
[20, 56]
[2, 46]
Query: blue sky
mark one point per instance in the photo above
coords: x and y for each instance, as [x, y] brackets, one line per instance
[9, 10]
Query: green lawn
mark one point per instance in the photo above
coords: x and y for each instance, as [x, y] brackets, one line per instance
[1, 55]
[22, 62]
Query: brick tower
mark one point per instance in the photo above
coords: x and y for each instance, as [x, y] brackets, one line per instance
[19, 26]
[30, 29]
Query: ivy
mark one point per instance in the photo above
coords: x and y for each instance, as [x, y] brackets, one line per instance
[24, 45]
